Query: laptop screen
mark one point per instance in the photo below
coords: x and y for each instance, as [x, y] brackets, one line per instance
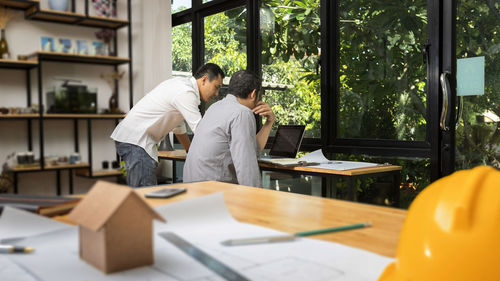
[287, 140]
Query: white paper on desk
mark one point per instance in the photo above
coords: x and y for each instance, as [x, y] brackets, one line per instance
[16, 223]
[12, 272]
[318, 157]
[205, 222]
[303, 259]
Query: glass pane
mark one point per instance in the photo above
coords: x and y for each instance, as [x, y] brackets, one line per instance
[182, 52]
[225, 43]
[478, 130]
[382, 73]
[180, 5]
[290, 57]
[415, 176]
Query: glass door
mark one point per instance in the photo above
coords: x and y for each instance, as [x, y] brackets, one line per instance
[471, 62]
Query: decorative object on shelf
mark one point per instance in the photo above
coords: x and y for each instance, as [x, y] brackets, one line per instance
[107, 35]
[105, 8]
[97, 49]
[59, 5]
[5, 16]
[82, 48]
[71, 97]
[47, 44]
[64, 45]
[115, 165]
[75, 158]
[111, 79]
[105, 165]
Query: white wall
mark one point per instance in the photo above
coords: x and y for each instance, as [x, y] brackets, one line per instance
[151, 37]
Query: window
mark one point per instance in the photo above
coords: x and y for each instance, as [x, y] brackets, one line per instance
[180, 5]
[382, 72]
[225, 43]
[290, 58]
[182, 54]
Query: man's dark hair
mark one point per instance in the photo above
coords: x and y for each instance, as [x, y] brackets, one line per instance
[211, 70]
[243, 83]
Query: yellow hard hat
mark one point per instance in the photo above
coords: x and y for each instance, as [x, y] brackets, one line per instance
[451, 231]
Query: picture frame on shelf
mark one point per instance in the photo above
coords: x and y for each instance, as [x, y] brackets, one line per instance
[82, 47]
[47, 44]
[64, 45]
[98, 48]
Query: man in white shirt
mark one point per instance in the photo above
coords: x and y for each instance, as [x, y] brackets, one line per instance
[226, 146]
[160, 111]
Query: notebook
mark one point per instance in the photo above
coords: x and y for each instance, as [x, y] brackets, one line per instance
[285, 146]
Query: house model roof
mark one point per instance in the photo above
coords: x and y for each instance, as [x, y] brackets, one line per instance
[101, 203]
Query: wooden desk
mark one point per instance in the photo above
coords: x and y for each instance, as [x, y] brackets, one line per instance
[349, 175]
[291, 213]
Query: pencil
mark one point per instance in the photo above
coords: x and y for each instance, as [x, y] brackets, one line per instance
[283, 238]
[333, 229]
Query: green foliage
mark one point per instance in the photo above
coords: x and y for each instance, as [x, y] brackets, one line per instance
[181, 47]
[225, 45]
[478, 34]
[382, 73]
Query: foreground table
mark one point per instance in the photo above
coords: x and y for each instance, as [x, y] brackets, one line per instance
[291, 213]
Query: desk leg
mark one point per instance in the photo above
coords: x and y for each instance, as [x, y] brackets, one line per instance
[58, 178]
[324, 188]
[70, 174]
[15, 182]
[174, 172]
[333, 189]
[350, 188]
[397, 182]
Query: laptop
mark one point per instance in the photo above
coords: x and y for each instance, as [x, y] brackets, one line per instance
[285, 146]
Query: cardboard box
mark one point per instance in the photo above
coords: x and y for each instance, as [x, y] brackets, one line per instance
[115, 227]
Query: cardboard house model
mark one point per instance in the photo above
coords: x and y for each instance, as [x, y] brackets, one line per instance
[116, 228]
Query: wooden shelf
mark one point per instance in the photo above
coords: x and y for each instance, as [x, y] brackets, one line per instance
[98, 174]
[20, 116]
[35, 13]
[49, 167]
[19, 4]
[18, 64]
[94, 21]
[65, 57]
[82, 116]
[61, 116]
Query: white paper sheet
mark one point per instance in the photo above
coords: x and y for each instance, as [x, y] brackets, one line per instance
[16, 223]
[205, 222]
[318, 157]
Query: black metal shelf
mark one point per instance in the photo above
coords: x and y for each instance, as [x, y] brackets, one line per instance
[75, 58]
[35, 13]
[85, 173]
[17, 64]
[19, 4]
[51, 116]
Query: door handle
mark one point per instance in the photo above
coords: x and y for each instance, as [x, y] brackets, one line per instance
[445, 87]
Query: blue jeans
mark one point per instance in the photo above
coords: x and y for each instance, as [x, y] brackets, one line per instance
[141, 168]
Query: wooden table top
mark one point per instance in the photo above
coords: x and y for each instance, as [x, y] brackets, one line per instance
[180, 155]
[289, 212]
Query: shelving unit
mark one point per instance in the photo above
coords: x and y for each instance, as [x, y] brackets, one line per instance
[37, 59]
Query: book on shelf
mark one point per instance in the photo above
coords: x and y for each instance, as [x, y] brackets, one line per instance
[44, 205]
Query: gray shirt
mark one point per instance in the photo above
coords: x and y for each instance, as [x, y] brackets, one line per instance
[224, 147]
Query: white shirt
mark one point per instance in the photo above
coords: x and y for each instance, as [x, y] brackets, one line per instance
[159, 112]
[225, 146]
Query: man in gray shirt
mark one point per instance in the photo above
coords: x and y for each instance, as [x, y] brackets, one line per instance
[226, 146]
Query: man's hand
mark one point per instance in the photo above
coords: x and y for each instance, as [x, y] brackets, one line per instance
[263, 109]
